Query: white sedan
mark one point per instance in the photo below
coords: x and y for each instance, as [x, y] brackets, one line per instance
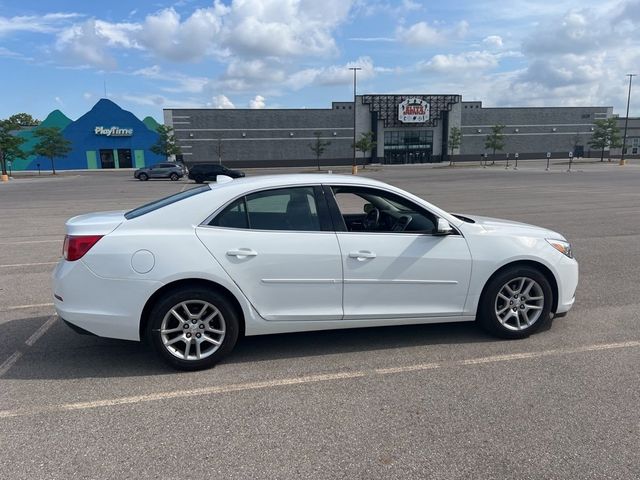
[288, 253]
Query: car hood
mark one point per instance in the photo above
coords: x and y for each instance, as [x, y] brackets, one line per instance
[499, 225]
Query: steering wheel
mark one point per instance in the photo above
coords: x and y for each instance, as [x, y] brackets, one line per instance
[402, 223]
[372, 219]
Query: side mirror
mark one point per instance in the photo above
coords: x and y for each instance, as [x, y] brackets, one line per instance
[443, 227]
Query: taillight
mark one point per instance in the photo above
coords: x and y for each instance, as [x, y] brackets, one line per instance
[75, 246]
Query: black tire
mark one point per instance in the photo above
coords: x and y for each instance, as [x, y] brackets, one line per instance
[174, 176]
[143, 177]
[198, 179]
[489, 303]
[228, 315]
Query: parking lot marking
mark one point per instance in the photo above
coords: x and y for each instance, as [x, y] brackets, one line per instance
[41, 331]
[20, 307]
[27, 264]
[31, 241]
[8, 363]
[308, 379]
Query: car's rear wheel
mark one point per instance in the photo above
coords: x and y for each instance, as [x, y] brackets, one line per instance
[193, 328]
[198, 179]
[143, 177]
[516, 303]
[174, 176]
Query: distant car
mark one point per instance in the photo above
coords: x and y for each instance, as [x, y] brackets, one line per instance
[294, 253]
[202, 172]
[173, 171]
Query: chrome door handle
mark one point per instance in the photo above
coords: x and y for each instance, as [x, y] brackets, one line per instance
[242, 253]
[362, 255]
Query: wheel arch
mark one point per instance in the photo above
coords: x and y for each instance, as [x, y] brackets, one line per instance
[544, 270]
[189, 282]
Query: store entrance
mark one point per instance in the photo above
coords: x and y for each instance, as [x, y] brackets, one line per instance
[106, 159]
[124, 158]
[408, 146]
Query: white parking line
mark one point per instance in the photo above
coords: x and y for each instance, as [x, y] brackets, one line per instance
[9, 362]
[41, 331]
[259, 385]
[31, 241]
[20, 307]
[27, 264]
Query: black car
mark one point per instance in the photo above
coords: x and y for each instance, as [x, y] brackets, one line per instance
[174, 171]
[202, 172]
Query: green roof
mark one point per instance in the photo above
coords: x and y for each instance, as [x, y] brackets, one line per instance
[54, 119]
[151, 123]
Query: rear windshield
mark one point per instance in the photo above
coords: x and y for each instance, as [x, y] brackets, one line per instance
[163, 202]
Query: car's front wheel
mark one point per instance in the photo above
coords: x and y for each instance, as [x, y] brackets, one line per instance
[516, 303]
[193, 328]
[174, 176]
[198, 179]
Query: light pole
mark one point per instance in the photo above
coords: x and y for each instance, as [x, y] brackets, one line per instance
[626, 119]
[354, 167]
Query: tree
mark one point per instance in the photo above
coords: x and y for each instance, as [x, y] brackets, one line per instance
[9, 144]
[51, 144]
[166, 144]
[319, 146]
[24, 120]
[365, 143]
[605, 134]
[495, 140]
[455, 140]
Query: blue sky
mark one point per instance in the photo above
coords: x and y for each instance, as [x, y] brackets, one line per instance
[296, 53]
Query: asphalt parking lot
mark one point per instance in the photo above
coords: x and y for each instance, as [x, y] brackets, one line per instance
[434, 401]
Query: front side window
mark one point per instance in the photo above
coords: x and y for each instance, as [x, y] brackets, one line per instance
[279, 209]
[376, 211]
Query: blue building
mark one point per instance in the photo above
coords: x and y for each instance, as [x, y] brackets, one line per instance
[103, 138]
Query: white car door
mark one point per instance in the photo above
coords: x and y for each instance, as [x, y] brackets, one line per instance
[279, 247]
[393, 270]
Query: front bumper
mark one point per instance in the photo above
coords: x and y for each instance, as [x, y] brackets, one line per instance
[567, 277]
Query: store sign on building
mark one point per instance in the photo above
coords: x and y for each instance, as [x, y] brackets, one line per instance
[113, 131]
[413, 110]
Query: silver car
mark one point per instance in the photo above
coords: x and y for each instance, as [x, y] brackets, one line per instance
[173, 171]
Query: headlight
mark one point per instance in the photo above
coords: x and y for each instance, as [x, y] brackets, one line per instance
[562, 246]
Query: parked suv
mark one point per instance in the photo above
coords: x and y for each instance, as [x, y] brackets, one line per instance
[174, 171]
[201, 172]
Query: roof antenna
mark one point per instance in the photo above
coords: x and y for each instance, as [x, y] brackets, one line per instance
[105, 88]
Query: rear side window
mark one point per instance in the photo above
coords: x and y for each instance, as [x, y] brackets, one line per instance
[163, 202]
[279, 209]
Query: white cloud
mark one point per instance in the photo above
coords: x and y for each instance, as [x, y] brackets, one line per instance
[493, 41]
[257, 102]
[467, 62]
[165, 34]
[420, 34]
[83, 44]
[181, 83]
[284, 27]
[333, 75]
[221, 101]
[51, 22]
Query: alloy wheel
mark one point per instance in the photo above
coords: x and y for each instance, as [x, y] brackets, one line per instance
[193, 330]
[519, 303]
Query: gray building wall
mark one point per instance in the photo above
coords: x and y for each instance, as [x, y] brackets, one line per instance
[272, 137]
[633, 138]
[263, 137]
[529, 131]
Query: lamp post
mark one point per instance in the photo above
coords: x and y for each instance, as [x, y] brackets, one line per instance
[626, 119]
[354, 167]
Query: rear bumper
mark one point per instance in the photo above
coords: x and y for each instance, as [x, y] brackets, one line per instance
[101, 306]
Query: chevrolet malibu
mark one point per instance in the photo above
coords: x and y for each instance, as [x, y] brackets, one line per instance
[289, 253]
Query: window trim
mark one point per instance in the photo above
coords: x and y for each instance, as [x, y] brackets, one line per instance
[326, 224]
[341, 227]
